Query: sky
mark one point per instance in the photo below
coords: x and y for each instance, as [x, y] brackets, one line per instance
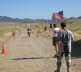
[39, 9]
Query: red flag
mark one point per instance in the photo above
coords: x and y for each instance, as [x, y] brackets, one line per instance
[57, 16]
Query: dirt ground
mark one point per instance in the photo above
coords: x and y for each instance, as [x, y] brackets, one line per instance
[32, 54]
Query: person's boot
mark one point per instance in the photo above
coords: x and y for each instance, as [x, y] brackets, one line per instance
[68, 68]
[58, 67]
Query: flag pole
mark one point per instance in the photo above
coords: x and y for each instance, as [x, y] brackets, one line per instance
[58, 21]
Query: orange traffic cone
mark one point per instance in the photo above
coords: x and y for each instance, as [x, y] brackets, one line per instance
[33, 33]
[37, 35]
[14, 36]
[3, 49]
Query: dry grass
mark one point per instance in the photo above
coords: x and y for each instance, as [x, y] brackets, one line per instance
[6, 30]
[74, 27]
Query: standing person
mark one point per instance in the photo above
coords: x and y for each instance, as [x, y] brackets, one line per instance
[50, 27]
[65, 36]
[55, 31]
[45, 28]
[29, 31]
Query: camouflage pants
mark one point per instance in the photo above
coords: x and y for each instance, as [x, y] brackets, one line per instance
[67, 58]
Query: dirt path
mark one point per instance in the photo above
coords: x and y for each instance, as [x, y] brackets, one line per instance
[32, 54]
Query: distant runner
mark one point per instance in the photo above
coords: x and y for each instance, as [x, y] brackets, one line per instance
[65, 37]
[50, 27]
[45, 28]
[55, 39]
[29, 31]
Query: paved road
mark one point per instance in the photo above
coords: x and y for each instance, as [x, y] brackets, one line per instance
[26, 54]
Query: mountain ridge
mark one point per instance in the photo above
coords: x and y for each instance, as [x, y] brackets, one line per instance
[10, 19]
